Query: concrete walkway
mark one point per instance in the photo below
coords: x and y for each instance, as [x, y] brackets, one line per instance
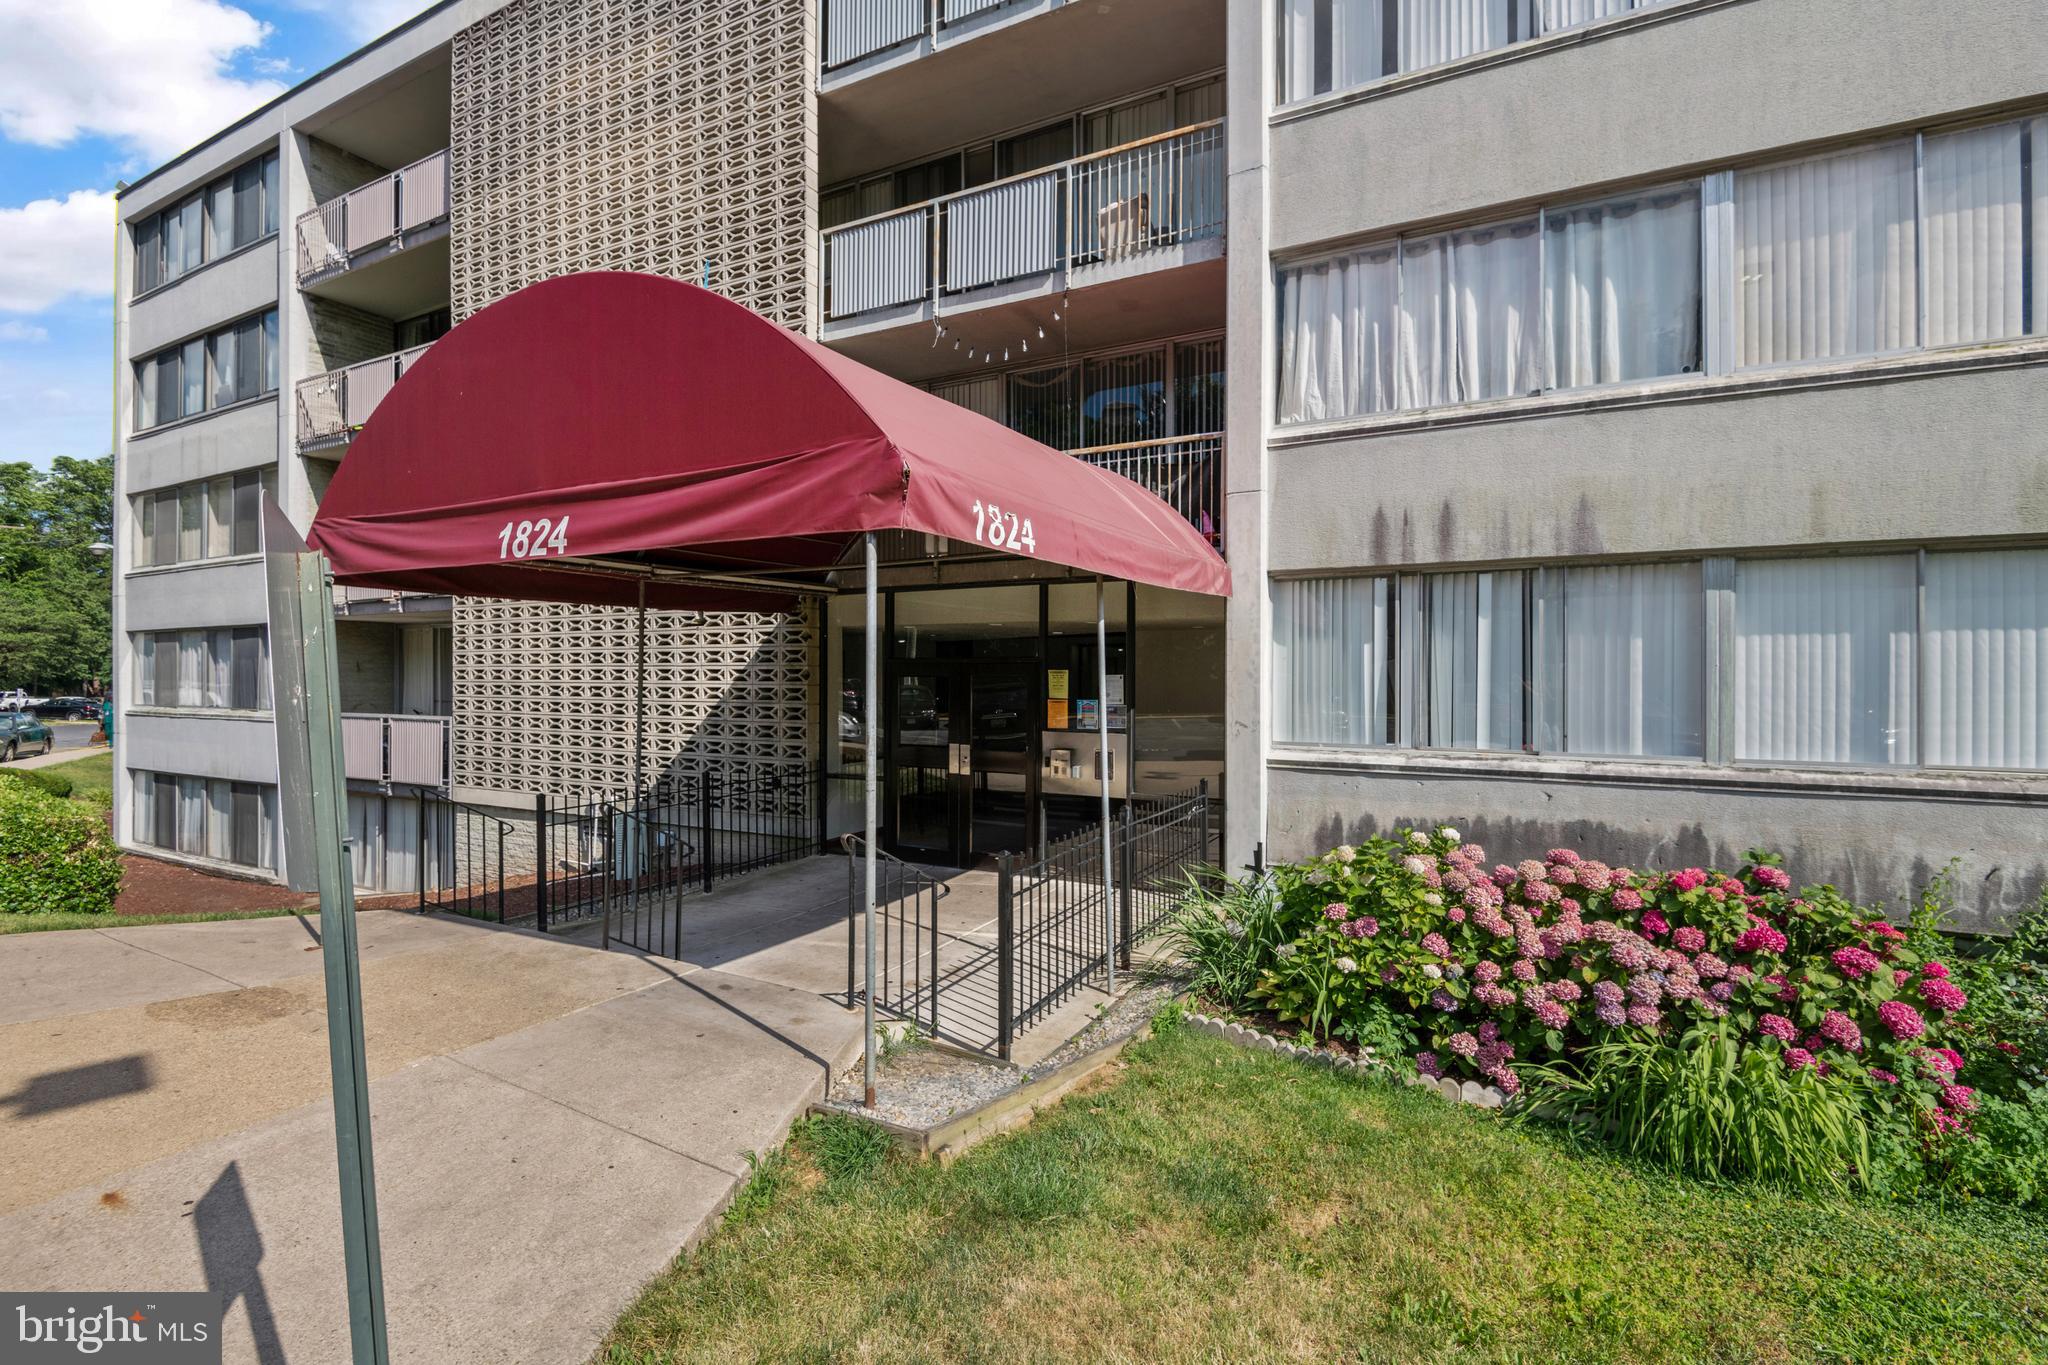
[552, 1122]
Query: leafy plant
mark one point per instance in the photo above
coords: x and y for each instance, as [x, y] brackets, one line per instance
[1711, 1107]
[53, 784]
[54, 854]
[1226, 931]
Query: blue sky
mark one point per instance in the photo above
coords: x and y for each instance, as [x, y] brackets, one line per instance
[68, 132]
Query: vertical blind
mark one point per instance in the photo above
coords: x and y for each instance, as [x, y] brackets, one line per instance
[1824, 659]
[1833, 660]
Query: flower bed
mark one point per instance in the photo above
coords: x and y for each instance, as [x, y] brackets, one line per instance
[1723, 1022]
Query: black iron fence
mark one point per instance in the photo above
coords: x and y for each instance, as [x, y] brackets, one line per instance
[628, 860]
[980, 984]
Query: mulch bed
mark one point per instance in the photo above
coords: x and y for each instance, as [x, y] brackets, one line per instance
[151, 886]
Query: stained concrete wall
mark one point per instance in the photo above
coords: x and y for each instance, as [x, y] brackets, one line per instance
[1951, 455]
[1878, 840]
[1688, 86]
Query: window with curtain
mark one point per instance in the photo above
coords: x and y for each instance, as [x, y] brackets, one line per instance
[1331, 639]
[214, 818]
[199, 521]
[1496, 305]
[1634, 660]
[1986, 659]
[1337, 347]
[1476, 672]
[221, 668]
[231, 365]
[235, 211]
[1433, 32]
[1824, 659]
[1976, 212]
[1621, 282]
[1825, 257]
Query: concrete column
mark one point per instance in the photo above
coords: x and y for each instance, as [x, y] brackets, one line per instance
[1247, 417]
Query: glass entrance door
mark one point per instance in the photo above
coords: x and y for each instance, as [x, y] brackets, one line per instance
[924, 764]
[1002, 757]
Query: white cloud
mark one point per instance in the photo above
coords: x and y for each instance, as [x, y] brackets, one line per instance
[11, 330]
[52, 249]
[154, 76]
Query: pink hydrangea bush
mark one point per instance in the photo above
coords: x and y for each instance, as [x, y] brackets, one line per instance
[1420, 946]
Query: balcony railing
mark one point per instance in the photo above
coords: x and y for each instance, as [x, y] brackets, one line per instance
[333, 406]
[1185, 471]
[384, 212]
[860, 28]
[412, 750]
[1107, 206]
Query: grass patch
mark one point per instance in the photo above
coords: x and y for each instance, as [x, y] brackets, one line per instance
[92, 777]
[42, 920]
[1215, 1203]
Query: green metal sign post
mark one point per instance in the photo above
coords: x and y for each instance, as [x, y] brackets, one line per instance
[314, 782]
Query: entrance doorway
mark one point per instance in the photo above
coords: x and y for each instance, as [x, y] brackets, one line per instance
[964, 754]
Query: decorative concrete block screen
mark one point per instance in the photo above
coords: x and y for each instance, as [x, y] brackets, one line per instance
[671, 136]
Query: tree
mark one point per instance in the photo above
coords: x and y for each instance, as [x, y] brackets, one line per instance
[56, 595]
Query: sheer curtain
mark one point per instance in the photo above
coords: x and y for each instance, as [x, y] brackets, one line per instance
[1330, 639]
[192, 815]
[1973, 211]
[1824, 257]
[1336, 340]
[1475, 675]
[219, 666]
[1824, 659]
[220, 823]
[1634, 656]
[1621, 280]
[1329, 45]
[1424, 373]
[1436, 31]
[1986, 666]
[1495, 310]
[191, 670]
[1556, 14]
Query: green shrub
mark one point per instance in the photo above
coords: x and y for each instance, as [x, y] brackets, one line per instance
[54, 854]
[56, 784]
[1226, 931]
[1711, 1107]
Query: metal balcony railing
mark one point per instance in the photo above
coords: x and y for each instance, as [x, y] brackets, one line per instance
[855, 29]
[386, 210]
[1185, 471]
[333, 406]
[410, 750]
[1107, 206]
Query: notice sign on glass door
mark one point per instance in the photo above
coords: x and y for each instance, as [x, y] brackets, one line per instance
[1056, 715]
[1056, 684]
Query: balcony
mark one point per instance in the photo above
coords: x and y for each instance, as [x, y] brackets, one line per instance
[863, 35]
[1104, 221]
[396, 750]
[1185, 471]
[332, 407]
[340, 241]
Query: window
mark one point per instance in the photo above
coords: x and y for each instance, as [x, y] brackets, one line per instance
[1331, 642]
[229, 214]
[232, 365]
[1822, 260]
[1986, 659]
[207, 817]
[1331, 45]
[197, 521]
[1879, 661]
[1100, 400]
[219, 669]
[1825, 257]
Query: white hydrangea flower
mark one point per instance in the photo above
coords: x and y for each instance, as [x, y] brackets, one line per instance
[1418, 838]
[1455, 972]
[1432, 898]
[1344, 853]
[1448, 834]
[1432, 971]
[1285, 951]
[1346, 965]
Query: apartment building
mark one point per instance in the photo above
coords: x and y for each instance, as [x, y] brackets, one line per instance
[1620, 418]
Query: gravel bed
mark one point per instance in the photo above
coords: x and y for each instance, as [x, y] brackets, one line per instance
[920, 1086]
[1124, 1016]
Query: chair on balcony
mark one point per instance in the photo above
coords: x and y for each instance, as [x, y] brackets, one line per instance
[1124, 226]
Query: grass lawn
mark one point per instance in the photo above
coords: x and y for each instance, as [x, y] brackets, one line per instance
[93, 774]
[74, 919]
[1215, 1204]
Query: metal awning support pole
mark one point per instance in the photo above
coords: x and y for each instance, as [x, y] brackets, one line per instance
[640, 697]
[871, 760]
[1102, 762]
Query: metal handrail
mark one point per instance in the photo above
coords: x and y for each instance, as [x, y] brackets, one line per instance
[1139, 445]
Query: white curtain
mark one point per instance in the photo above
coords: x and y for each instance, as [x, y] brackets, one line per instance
[1824, 659]
[366, 840]
[1557, 14]
[145, 670]
[1336, 341]
[220, 819]
[192, 815]
[220, 668]
[1352, 45]
[1634, 655]
[191, 670]
[1436, 31]
[145, 808]
[1453, 632]
[1975, 236]
[1986, 668]
[191, 522]
[1330, 661]
[401, 844]
[1496, 307]
[1424, 369]
[2037, 138]
[1824, 257]
[1621, 281]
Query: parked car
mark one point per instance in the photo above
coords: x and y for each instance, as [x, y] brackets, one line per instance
[21, 733]
[68, 708]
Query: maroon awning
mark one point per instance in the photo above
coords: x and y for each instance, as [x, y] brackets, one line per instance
[588, 431]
